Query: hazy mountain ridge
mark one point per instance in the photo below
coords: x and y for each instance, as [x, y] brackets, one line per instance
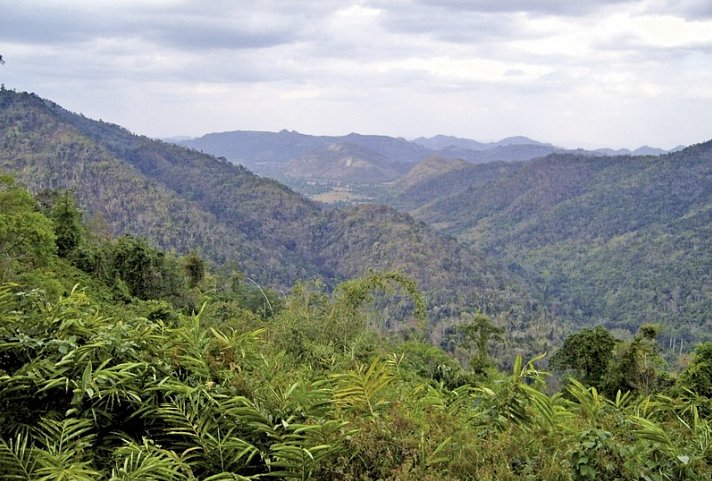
[289, 154]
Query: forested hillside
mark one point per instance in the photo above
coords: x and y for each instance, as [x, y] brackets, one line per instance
[612, 240]
[184, 200]
[121, 362]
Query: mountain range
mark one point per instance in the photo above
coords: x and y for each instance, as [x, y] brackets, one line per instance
[366, 159]
[615, 237]
[570, 238]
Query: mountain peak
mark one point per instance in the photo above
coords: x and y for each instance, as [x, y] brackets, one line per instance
[519, 140]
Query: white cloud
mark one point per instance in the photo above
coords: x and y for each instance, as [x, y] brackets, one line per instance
[602, 73]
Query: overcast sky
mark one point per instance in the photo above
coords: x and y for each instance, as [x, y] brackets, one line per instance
[571, 72]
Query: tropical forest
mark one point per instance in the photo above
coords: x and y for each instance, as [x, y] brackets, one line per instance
[168, 314]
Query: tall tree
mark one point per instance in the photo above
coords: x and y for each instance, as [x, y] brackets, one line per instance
[477, 333]
[68, 225]
[636, 365]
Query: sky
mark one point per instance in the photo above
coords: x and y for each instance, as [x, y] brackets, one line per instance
[576, 73]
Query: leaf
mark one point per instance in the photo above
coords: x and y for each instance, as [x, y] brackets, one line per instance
[16, 459]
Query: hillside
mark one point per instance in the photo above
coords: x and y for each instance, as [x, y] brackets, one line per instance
[430, 168]
[613, 240]
[289, 155]
[344, 162]
[183, 200]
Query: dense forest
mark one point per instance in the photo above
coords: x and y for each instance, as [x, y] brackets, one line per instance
[613, 241]
[120, 361]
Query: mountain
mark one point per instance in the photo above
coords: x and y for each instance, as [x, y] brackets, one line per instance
[366, 159]
[506, 152]
[269, 153]
[644, 150]
[617, 240]
[432, 167]
[344, 162]
[378, 158]
[182, 199]
[440, 142]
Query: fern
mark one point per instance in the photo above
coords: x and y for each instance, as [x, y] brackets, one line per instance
[207, 433]
[139, 462]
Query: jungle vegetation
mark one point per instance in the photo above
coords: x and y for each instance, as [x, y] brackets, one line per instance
[120, 361]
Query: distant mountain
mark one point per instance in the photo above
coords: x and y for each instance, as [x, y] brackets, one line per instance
[381, 158]
[519, 140]
[440, 142]
[644, 150]
[344, 162]
[617, 240]
[184, 200]
[269, 153]
[508, 153]
[290, 154]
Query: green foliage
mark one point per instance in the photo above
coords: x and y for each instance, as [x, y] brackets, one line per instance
[636, 365]
[587, 355]
[148, 273]
[195, 268]
[477, 332]
[26, 236]
[697, 376]
[67, 219]
[85, 396]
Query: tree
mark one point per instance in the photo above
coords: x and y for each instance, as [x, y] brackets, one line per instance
[194, 267]
[477, 333]
[68, 225]
[148, 273]
[586, 354]
[697, 376]
[635, 365]
[26, 236]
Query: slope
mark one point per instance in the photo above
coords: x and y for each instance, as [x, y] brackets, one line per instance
[613, 240]
[343, 162]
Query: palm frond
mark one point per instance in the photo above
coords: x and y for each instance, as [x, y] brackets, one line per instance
[17, 461]
[364, 389]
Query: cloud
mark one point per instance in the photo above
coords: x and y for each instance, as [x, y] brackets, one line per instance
[550, 7]
[404, 67]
